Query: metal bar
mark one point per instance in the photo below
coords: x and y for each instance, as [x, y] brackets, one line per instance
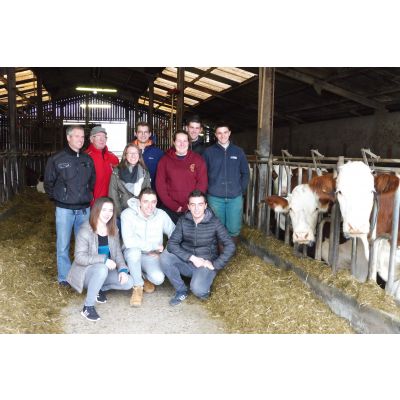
[354, 257]
[269, 192]
[319, 240]
[278, 216]
[372, 236]
[393, 243]
[287, 219]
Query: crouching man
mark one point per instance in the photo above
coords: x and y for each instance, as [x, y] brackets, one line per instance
[192, 250]
[143, 226]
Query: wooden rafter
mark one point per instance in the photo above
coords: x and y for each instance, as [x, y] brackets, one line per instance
[19, 93]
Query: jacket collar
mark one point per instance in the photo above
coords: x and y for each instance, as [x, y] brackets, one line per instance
[93, 149]
[71, 152]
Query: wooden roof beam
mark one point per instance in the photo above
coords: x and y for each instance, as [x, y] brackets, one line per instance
[319, 84]
[20, 94]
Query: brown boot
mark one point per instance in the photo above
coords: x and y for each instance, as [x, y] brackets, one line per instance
[148, 287]
[137, 296]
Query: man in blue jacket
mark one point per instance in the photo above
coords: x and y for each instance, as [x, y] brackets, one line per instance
[151, 153]
[228, 176]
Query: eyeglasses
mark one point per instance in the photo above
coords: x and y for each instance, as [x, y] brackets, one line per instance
[100, 137]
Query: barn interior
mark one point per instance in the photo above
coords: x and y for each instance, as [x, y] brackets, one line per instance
[335, 110]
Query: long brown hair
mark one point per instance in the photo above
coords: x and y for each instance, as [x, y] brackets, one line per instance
[95, 213]
[124, 162]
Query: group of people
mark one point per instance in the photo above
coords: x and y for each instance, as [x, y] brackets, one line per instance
[144, 196]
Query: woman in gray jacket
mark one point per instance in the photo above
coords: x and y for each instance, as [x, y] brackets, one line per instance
[99, 264]
[129, 178]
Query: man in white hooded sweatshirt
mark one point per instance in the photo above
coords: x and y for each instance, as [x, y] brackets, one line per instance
[143, 226]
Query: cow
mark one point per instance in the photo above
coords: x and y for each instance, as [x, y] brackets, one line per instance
[355, 188]
[303, 205]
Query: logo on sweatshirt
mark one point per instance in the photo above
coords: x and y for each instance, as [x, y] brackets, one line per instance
[191, 167]
[233, 157]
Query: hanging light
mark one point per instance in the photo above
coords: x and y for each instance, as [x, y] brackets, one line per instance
[95, 90]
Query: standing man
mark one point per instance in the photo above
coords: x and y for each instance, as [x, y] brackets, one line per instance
[192, 250]
[143, 226]
[194, 128]
[104, 161]
[151, 154]
[228, 176]
[69, 181]
[179, 172]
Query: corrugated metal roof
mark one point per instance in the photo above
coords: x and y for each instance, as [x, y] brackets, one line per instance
[202, 83]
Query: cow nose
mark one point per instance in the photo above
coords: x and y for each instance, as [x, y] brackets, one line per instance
[300, 236]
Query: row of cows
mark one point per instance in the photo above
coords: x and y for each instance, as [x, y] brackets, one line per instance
[355, 188]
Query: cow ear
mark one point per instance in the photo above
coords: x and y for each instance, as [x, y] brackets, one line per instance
[278, 204]
[323, 206]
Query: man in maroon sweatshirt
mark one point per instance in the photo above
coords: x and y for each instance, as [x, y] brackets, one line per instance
[104, 161]
[179, 172]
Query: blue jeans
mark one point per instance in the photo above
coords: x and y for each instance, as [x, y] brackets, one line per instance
[202, 278]
[65, 220]
[97, 277]
[228, 211]
[143, 264]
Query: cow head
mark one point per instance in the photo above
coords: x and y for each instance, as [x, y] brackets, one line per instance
[303, 206]
[355, 193]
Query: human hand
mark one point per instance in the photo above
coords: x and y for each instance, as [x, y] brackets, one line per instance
[179, 209]
[208, 264]
[197, 261]
[123, 278]
[110, 264]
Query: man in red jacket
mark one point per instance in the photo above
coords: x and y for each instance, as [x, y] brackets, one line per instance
[179, 172]
[104, 161]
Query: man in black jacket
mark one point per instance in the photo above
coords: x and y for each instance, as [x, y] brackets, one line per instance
[192, 250]
[69, 181]
[194, 128]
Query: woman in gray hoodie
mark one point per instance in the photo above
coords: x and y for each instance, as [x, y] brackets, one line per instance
[99, 264]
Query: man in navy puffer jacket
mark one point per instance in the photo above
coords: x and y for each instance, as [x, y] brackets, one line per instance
[228, 176]
[192, 250]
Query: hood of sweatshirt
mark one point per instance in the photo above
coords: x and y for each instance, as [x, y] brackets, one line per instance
[171, 153]
[134, 205]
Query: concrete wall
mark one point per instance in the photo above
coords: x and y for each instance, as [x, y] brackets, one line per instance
[379, 132]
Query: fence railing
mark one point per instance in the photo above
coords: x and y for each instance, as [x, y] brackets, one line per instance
[18, 170]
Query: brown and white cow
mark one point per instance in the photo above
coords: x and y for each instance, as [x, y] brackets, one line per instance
[303, 206]
[355, 187]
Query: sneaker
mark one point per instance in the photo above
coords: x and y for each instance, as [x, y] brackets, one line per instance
[90, 313]
[178, 298]
[148, 287]
[64, 283]
[137, 296]
[101, 297]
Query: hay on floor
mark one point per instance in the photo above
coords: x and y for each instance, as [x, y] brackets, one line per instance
[30, 297]
[251, 296]
[368, 293]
